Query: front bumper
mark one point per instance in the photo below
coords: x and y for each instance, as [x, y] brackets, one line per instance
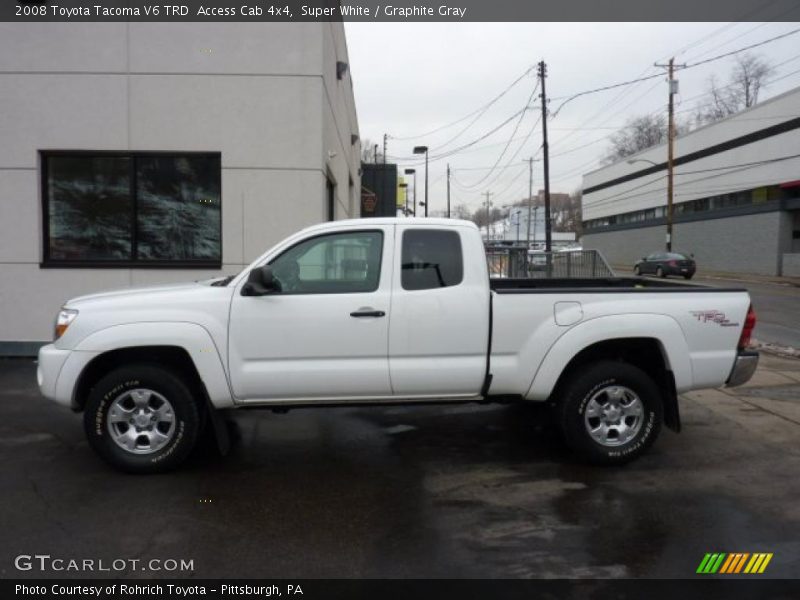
[51, 360]
[58, 373]
[743, 368]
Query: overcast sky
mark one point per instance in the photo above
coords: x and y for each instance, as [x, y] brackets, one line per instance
[411, 78]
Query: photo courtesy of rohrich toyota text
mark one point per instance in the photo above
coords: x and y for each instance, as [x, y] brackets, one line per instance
[369, 299]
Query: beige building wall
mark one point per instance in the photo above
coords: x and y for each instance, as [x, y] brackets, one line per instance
[264, 95]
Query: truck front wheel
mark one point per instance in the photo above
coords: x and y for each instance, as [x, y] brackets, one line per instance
[611, 413]
[142, 419]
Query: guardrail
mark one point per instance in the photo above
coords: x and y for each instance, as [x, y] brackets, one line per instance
[518, 263]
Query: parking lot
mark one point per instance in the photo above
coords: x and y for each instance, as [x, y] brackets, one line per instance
[459, 491]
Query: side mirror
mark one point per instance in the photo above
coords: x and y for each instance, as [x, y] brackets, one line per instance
[261, 282]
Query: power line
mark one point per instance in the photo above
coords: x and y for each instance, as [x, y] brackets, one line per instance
[436, 157]
[511, 137]
[688, 66]
[475, 168]
[745, 48]
[481, 109]
[574, 170]
[511, 160]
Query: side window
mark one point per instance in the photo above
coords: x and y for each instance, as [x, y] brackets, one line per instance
[431, 259]
[340, 263]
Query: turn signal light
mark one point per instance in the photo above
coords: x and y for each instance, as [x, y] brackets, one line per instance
[747, 330]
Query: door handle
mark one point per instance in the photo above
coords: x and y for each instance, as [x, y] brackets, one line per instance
[368, 313]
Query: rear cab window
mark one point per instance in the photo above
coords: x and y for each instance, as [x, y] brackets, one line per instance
[431, 259]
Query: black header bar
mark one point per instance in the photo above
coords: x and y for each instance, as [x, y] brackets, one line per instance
[450, 11]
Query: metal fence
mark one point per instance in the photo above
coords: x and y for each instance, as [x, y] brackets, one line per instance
[517, 263]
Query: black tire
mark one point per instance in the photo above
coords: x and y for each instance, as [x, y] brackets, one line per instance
[660, 272]
[593, 380]
[637, 271]
[688, 276]
[181, 431]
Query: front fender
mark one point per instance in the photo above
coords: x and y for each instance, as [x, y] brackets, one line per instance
[191, 337]
[662, 328]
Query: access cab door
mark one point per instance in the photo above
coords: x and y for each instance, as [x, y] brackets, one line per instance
[439, 326]
[325, 335]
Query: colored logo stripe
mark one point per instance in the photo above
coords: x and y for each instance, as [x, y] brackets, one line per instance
[711, 562]
[758, 563]
[732, 563]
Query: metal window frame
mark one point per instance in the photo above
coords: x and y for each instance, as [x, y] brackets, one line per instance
[134, 263]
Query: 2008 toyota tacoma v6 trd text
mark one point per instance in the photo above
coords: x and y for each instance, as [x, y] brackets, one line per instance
[379, 311]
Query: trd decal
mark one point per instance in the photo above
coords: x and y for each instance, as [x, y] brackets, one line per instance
[713, 316]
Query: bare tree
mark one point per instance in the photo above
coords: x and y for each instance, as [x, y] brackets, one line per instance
[370, 152]
[746, 80]
[639, 133]
[482, 218]
[461, 211]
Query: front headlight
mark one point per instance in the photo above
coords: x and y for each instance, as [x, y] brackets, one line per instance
[64, 319]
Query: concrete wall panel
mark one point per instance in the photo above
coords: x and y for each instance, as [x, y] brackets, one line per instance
[746, 244]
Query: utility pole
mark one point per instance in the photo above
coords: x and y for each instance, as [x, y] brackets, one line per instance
[426, 182]
[530, 201]
[548, 236]
[673, 89]
[488, 217]
[385, 138]
[448, 190]
[376, 154]
[670, 152]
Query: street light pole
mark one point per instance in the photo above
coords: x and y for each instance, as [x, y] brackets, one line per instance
[424, 150]
[448, 190]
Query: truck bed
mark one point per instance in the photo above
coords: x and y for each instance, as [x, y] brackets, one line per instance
[598, 285]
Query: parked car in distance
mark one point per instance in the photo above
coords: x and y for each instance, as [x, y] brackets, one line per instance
[662, 264]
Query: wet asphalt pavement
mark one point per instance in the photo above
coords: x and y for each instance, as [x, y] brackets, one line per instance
[458, 491]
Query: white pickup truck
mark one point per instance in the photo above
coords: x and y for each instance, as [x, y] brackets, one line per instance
[376, 311]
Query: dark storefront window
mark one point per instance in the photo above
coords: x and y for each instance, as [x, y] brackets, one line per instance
[132, 209]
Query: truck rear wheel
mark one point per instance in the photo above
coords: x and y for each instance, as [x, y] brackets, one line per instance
[142, 419]
[611, 413]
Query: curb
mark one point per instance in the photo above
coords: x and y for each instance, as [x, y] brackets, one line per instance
[775, 350]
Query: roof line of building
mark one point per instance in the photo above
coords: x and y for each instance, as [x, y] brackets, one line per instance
[736, 142]
[733, 117]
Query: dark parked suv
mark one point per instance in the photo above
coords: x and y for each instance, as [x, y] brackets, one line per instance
[666, 263]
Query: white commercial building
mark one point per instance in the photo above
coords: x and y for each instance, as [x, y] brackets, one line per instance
[736, 195]
[136, 153]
